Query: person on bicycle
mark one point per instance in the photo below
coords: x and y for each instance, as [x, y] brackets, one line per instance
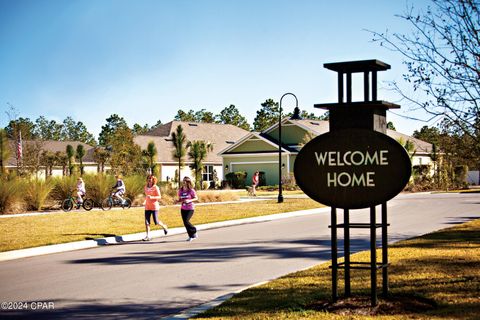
[80, 191]
[119, 189]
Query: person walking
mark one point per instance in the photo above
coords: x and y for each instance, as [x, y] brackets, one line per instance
[186, 196]
[152, 195]
[255, 181]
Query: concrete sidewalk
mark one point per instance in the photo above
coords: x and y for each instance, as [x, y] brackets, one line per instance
[77, 245]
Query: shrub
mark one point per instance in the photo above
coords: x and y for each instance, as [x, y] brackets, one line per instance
[10, 195]
[169, 194]
[134, 185]
[205, 185]
[37, 192]
[63, 187]
[217, 196]
[98, 186]
[237, 180]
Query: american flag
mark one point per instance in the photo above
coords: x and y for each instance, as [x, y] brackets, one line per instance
[19, 147]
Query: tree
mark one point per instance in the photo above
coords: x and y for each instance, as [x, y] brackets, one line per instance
[62, 160]
[138, 129]
[32, 156]
[183, 116]
[79, 155]
[126, 156]
[101, 156]
[49, 159]
[267, 116]
[76, 131]
[204, 116]
[47, 130]
[114, 123]
[179, 141]
[442, 55]
[150, 153]
[231, 115]
[4, 151]
[198, 151]
[24, 125]
[391, 126]
[71, 159]
[156, 125]
[428, 134]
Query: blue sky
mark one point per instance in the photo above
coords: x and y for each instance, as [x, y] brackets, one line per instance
[145, 60]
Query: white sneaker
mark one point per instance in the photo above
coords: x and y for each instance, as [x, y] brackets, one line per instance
[146, 239]
[195, 236]
[189, 239]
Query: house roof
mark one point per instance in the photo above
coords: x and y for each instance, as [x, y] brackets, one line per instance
[220, 135]
[318, 127]
[52, 146]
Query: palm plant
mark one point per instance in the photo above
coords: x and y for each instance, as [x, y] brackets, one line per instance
[150, 153]
[198, 152]
[79, 156]
[38, 192]
[179, 140]
[101, 156]
[70, 155]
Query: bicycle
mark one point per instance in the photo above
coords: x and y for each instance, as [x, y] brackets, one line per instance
[112, 201]
[67, 204]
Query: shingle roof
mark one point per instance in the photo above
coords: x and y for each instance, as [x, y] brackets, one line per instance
[321, 127]
[52, 146]
[220, 135]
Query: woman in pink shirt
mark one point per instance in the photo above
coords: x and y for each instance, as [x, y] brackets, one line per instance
[186, 196]
[152, 195]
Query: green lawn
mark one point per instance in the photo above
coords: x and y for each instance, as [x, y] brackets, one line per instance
[33, 231]
[436, 276]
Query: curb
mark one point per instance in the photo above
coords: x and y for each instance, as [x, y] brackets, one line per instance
[86, 244]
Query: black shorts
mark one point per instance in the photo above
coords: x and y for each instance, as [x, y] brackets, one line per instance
[148, 214]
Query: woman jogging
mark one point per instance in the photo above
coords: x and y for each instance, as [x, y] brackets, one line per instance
[186, 196]
[152, 195]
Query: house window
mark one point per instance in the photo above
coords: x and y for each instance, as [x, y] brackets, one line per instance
[207, 173]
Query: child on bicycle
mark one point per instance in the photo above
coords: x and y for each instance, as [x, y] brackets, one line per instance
[119, 189]
[80, 191]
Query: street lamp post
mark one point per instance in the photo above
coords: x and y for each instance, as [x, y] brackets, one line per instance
[296, 116]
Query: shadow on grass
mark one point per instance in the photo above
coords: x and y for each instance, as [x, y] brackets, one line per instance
[439, 285]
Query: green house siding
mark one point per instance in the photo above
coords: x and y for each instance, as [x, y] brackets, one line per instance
[291, 135]
[254, 146]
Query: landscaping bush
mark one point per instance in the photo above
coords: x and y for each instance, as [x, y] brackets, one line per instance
[37, 192]
[63, 187]
[169, 194]
[237, 180]
[134, 185]
[98, 186]
[11, 194]
[217, 196]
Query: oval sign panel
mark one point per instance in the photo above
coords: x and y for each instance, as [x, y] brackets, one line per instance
[352, 168]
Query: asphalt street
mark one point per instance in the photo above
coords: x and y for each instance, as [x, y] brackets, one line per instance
[168, 275]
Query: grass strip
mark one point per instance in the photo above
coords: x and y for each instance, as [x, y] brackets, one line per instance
[435, 276]
[32, 231]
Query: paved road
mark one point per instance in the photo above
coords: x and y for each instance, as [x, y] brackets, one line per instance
[165, 276]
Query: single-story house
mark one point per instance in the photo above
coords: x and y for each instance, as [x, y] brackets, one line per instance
[259, 150]
[219, 135]
[35, 148]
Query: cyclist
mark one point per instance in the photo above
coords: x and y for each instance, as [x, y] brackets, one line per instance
[119, 189]
[80, 192]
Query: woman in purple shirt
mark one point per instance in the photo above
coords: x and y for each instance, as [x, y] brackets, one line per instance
[186, 196]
